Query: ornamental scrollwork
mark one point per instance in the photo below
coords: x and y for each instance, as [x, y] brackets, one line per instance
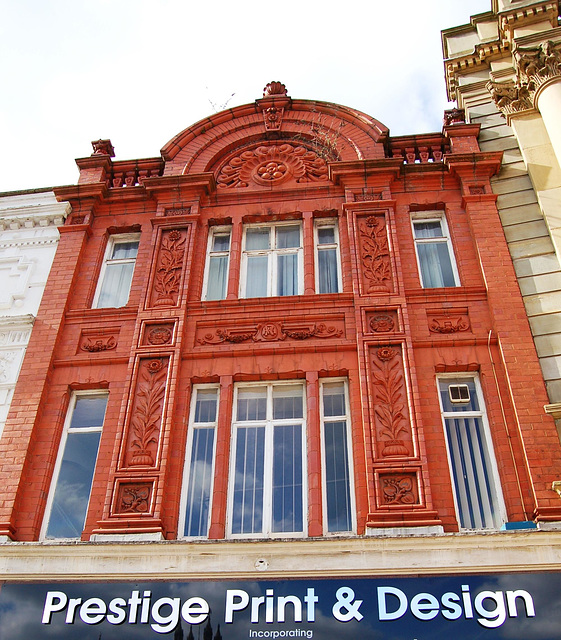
[272, 165]
[270, 332]
[398, 489]
[96, 344]
[134, 498]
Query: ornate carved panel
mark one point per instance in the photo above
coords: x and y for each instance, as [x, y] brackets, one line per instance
[271, 165]
[384, 321]
[392, 426]
[146, 413]
[271, 332]
[398, 489]
[98, 341]
[448, 321]
[133, 497]
[374, 255]
[169, 268]
[157, 334]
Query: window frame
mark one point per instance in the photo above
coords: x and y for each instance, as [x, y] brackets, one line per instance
[114, 240]
[266, 529]
[213, 232]
[331, 223]
[350, 468]
[435, 216]
[187, 470]
[68, 429]
[272, 254]
[493, 471]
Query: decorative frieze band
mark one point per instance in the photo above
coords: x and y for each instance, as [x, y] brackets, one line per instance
[272, 332]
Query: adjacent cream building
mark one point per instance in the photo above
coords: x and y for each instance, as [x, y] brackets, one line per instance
[504, 69]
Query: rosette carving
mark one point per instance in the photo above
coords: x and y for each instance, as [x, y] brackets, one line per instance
[273, 165]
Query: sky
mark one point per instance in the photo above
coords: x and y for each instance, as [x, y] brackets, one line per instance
[140, 71]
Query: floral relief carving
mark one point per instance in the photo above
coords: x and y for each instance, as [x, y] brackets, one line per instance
[273, 118]
[447, 325]
[271, 165]
[170, 265]
[375, 254]
[390, 402]
[382, 324]
[399, 489]
[96, 344]
[271, 332]
[134, 497]
[147, 411]
[158, 335]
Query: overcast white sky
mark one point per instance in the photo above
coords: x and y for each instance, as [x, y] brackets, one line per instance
[140, 71]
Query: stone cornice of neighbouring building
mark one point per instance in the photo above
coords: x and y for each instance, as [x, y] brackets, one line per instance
[522, 551]
[30, 209]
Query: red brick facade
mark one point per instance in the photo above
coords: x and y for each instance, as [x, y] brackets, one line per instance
[383, 333]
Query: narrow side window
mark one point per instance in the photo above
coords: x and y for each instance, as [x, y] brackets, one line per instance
[217, 264]
[435, 258]
[115, 278]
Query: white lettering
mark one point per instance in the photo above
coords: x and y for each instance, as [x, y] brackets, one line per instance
[494, 618]
[165, 624]
[383, 613]
[54, 601]
[424, 606]
[195, 610]
[236, 600]
[93, 611]
[452, 611]
[118, 614]
[528, 602]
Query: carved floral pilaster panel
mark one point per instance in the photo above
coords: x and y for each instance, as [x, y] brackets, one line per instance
[146, 413]
[392, 431]
[169, 268]
[374, 255]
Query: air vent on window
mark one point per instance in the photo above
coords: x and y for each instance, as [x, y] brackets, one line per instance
[459, 393]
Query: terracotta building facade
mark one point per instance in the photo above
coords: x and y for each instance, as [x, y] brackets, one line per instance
[291, 346]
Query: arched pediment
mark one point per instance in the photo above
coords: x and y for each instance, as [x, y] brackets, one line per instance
[274, 140]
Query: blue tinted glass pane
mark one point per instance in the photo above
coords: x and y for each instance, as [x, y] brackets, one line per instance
[200, 483]
[333, 400]
[72, 493]
[221, 242]
[326, 235]
[257, 270]
[328, 280]
[247, 508]
[288, 237]
[88, 411]
[428, 229]
[124, 250]
[436, 266]
[337, 479]
[287, 275]
[257, 239]
[252, 404]
[205, 407]
[287, 479]
[288, 402]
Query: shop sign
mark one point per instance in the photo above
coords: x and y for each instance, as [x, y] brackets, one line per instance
[514, 606]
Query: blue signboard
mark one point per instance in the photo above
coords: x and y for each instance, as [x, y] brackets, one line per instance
[509, 606]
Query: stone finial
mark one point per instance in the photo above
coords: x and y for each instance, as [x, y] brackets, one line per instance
[103, 148]
[454, 116]
[274, 88]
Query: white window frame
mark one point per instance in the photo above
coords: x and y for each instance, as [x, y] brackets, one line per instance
[493, 472]
[210, 253]
[332, 224]
[434, 216]
[268, 461]
[193, 427]
[350, 470]
[272, 257]
[108, 261]
[60, 456]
